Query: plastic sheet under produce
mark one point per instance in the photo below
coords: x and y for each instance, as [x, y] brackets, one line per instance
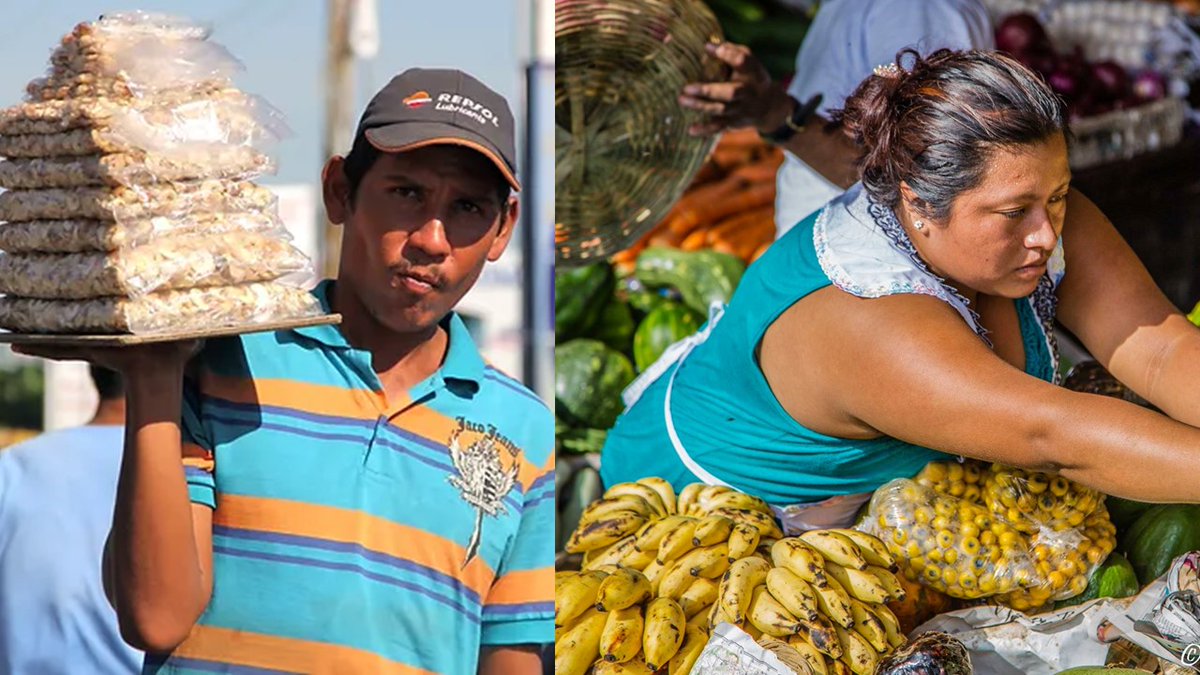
[77, 236]
[127, 203]
[169, 311]
[228, 162]
[167, 264]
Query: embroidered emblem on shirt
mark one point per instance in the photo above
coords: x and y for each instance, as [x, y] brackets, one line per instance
[482, 479]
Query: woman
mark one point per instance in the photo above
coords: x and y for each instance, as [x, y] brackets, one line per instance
[911, 319]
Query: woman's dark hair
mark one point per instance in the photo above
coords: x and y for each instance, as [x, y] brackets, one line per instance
[363, 156]
[934, 124]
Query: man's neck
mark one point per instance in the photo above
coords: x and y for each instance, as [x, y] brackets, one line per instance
[401, 360]
[110, 412]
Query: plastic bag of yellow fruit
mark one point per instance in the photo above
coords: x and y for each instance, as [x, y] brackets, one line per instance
[957, 479]
[1064, 561]
[950, 544]
[1033, 501]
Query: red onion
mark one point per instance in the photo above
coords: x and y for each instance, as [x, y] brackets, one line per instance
[1021, 33]
[1111, 81]
[1149, 86]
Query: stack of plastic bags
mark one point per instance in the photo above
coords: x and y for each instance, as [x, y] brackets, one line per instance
[128, 203]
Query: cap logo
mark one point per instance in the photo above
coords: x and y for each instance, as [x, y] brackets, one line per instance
[463, 105]
[417, 99]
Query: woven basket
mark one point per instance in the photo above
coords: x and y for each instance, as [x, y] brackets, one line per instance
[1124, 134]
[622, 152]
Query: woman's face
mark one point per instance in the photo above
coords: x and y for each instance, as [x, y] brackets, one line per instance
[999, 235]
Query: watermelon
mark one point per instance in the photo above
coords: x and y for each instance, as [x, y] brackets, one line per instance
[662, 328]
[588, 380]
[580, 296]
[1158, 536]
[642, 302]
[615, 327]
[1123, 512]
[701, 277]
[1114, 578]
[582, 441]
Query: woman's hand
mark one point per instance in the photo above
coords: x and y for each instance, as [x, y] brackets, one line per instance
[747, 98]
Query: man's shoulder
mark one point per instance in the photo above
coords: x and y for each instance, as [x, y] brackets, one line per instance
[513, 390]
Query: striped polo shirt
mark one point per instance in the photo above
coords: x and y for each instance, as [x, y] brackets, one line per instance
[357, 534]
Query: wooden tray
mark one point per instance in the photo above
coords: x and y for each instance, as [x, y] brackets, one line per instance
[124, 339]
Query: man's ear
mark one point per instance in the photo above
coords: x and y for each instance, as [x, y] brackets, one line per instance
[508, 222]
[335, 190]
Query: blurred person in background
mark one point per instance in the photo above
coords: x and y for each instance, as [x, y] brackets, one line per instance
[847, 39]
[56, 496]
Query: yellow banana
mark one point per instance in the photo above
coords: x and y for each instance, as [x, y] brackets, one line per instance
[663, 633]
[591, 555]
[652, 533]
[694, 640]
[578, 647]
[709, 562]
[802, 559]
[869, 626]
[752, 630]
[856, 652]
[612, 555]
[736, 500]
[821, 634]
[574, 595]
[702, 618]
[653, 573]
[837, 667]
[767, 615]
[677, 541]
[712, 530]
[811, 655]
[738, 584]
[765, 522]
[835, 547]
[612, 528]
[686, 501]
[676, 578]
[707, 494]
[665, 492]
[621, 638]
[644, 491]
[889, 581]
[872, 548]
[699, 595]
[859, 584]
[835, 603]
[891, 625]
[793, 593]
[743, 539]
[623, 588]
[638, 560]
[634, 666]
[601, 508]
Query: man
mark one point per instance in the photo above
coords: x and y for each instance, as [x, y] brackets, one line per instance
[366, 498]
[56, 495]
[845, 42]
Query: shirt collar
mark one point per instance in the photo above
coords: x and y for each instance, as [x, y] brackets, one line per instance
[463, 361]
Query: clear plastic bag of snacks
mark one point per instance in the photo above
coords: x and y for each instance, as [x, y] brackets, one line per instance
[166, 312]
[78, 236]
[134, 202]
[169, 263]
[231, 162]
[950, 544]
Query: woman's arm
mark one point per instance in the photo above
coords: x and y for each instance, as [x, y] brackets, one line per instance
[1109, 301]
[906, 366]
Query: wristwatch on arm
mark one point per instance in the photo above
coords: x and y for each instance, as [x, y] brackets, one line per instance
[794, 123]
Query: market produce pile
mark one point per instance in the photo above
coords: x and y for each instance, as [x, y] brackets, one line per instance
[128, 203]
[660, 571]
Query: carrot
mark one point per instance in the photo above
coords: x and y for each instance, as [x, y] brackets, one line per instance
[731, 157]
[745, 136]
[694, 208]
[708, 173]
[729, 228]
[695, 241]
[760, 251]
[665, 238]
[759, 172]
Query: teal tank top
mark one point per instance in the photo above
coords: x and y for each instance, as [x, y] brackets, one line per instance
[730, 422]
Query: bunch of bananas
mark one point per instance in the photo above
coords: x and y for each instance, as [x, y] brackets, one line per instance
[1064, 561]
[1033, 500]
[608, 621]
[950, 544]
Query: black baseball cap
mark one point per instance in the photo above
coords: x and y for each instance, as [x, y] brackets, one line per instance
[422, 107]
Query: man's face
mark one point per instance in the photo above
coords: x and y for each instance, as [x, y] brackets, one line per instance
[419, 230]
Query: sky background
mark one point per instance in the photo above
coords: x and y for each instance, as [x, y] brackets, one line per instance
[282, 44]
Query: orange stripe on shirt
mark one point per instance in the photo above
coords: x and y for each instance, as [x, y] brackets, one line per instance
[517, 588]
[256, 650]
[432, 425]
[360, 404]
[345, 525]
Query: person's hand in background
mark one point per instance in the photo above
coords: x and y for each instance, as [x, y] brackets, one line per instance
[748, 98]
